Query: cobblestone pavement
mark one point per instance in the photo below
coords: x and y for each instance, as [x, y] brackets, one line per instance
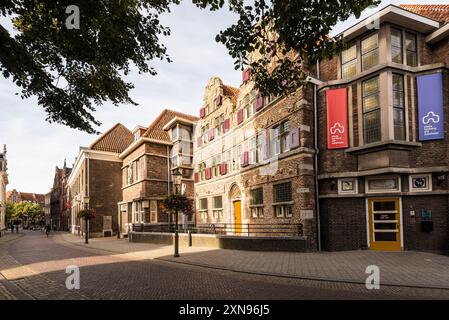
[33, 267]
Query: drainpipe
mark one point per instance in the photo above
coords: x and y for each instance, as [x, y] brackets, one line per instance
[315, 131]
[315, 84]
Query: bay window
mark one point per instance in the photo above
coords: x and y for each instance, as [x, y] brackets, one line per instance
[370, 51]
[371, 110]
[411, 49]
[396, 45]
[349, 62]
[398, 107]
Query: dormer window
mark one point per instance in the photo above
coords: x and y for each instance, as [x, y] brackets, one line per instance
[370, 51]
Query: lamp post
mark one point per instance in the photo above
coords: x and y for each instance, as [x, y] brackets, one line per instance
[177, 175]
[86, 206]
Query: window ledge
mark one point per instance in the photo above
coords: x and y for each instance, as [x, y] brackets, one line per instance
[256, 205]
[389, 144]
[283, 203]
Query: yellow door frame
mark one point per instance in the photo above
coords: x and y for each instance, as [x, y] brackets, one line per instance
[384, 245]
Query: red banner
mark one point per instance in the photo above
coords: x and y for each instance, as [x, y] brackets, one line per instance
[337, 119]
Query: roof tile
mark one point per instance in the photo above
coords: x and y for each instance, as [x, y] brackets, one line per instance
[116, 139]
[438, 12]
[156, 131]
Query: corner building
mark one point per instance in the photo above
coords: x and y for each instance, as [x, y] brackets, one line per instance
[383, 130]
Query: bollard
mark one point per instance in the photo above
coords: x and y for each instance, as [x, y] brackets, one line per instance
[176, 255]
[190, 238]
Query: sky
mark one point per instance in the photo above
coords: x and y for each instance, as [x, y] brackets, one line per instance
[36, 147]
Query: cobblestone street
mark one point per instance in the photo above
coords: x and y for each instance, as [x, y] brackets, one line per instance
[33, 267]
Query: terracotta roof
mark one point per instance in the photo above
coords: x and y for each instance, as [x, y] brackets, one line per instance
[438, 12]
[116, 139]
[26, 196]
[231, 92]
[156, 131]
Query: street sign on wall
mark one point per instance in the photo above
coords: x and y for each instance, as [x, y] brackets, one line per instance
[337, 119]
[430, 107]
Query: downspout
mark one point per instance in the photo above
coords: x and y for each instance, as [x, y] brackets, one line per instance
[168, 182]
[315, 131]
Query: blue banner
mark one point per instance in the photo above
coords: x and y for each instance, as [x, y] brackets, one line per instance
[430, 107]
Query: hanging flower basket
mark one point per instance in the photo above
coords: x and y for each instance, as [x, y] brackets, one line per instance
[87, 214]
[176, 202]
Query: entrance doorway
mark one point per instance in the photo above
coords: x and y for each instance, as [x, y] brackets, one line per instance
[384, 224]
[237, 217]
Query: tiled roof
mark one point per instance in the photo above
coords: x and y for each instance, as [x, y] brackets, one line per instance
[438, 12]
[156, 131]
[231, 92]
[116, 139]
[27, 196]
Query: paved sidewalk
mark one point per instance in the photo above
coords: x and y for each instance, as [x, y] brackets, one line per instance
[413, 269]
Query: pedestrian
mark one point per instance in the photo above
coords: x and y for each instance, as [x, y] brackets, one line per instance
[47, 230]
[12, 227]
[17, 228]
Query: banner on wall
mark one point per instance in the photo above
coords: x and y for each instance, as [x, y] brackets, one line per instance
[430, 107]
[337, 118]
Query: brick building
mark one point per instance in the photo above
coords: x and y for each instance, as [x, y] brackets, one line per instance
[59, 211]
[95, 182]
[254, 161]
[147, 169]
[17, 196]
[383, 119]
[3, 184]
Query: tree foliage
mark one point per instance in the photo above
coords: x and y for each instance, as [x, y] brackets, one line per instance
[23, 209]
[177, 203]
[71, 71]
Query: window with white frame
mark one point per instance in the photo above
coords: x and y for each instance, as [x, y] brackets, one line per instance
[153, 211]
[216, 161]
[370, 51]
[205, 133]
[202, 205]
[217, 207]
[219, 124]
[138, 212]
[279, 138]
[261, 145]
[202, 170]
[253, 150]
[256, 204]
[420, 182]
[282, 195]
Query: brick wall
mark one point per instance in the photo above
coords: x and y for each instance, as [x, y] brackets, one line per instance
[105, 183]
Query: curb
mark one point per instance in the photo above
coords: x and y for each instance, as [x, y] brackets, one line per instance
[298, 277]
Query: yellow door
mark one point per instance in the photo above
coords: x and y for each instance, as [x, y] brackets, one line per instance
[238, 217]
[384, 224]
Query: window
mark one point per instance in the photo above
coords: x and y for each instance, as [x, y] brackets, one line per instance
[174, 133]
[279, 138]
[153, 211]
[201, 170]
[253, 150]
[204, 133]
[349, 62]
[137, 170]
[257, 203]
[203, 204]
[217, 207]
[246, 107]
[396, 45]
[261, 145]
[219, 125]
[216, 161]
[138, 212]
[283, 192]
[371, 110]
[370, 52]
[411, 49]
[398, 107]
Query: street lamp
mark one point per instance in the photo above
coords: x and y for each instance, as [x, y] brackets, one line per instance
[177, 176]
